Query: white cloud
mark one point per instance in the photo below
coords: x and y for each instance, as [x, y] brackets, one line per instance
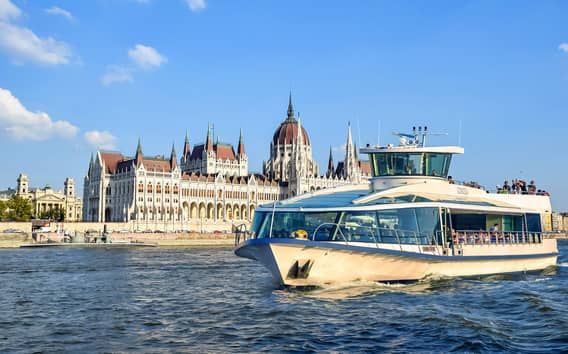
[8, 10]
[146, 57]
[57, 11]
[563, 47]
[116, 74]
[196, 5]
[101, 139]
[22, 45]
[19, 123]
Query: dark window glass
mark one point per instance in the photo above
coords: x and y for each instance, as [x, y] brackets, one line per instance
[410, 164]
[533, 223]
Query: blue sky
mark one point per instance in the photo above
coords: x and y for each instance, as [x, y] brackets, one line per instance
[75, 75]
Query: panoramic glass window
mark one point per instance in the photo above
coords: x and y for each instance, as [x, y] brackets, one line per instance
[286, 223]
[359, 226]
[410, 164]
[409, 225]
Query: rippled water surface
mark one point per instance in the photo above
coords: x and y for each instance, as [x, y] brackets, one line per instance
[208, 300]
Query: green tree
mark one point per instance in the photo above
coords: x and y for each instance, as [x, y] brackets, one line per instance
[2, 210]
[19, 209]
[55, 214]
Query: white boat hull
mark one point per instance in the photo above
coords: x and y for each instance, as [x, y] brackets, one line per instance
[306, 263]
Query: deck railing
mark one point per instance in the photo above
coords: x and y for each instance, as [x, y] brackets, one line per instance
[480, 237]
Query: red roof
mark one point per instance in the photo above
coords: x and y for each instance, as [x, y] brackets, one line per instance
[365, 167]
[111, 160]
[156, 164]
[223, 151]
[287, 133]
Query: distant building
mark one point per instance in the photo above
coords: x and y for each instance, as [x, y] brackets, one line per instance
[210, 181]
[560, 221]
[46, 199]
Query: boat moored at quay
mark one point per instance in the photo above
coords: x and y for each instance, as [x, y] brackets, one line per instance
[409, 222]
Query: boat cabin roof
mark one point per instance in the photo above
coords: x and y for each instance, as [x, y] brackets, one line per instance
[360, 198]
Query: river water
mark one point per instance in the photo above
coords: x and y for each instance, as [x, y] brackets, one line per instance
[208, 300]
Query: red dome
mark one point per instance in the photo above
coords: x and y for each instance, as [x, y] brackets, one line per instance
[287, 133]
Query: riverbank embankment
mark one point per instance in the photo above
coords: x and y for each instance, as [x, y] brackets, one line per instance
[181, 239]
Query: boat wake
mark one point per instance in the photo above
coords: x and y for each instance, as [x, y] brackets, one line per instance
[365, 288]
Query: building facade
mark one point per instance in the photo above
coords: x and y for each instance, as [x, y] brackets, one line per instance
[45, 200]
[210, 182]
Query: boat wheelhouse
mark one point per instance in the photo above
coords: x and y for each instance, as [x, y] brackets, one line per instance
[409, 222]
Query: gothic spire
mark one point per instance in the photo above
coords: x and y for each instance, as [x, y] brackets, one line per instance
[330, 164]
[139, 155]
[173, 157]
[91, 163]
[186, 148]
[209, 140]
[290, 108]
[241, 148]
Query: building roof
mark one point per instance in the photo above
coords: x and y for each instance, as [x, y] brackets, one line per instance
[365, 167]
[223, 152]
[287, 133]
[111, 160]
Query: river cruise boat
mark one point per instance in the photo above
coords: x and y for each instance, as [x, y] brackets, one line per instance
[409, 222]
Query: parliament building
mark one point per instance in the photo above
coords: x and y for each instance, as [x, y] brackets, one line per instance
[210, 182]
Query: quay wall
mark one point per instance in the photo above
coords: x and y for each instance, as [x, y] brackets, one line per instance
[186, 234]
[81, 227]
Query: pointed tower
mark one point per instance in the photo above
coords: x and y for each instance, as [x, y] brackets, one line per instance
[241, 149]
[350, 166]
[173, 157]
[209, 139]
[139, 156]
[91, 165]
[330, 165]
[290, 109]
[186, 149]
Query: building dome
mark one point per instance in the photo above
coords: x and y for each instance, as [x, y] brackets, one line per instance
[287, 132]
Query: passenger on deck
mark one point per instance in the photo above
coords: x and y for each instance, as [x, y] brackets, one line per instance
[532, 188]
[451, 180]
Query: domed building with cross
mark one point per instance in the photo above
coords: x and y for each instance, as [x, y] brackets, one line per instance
[292, 164]
[210, 182]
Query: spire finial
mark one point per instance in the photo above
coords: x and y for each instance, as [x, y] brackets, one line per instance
[186, 137]
[241, 147]
[139, 155]
[290, 107]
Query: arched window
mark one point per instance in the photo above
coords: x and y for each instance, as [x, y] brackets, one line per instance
[158, 188]
[149, 188]
[167, 188]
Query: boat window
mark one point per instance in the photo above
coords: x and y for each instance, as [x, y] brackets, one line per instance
[285, 224]
[429, 225]
[534, 223]
[410, 164]
[358, 226]
[399, 224]
[409, 226]
[257, 221]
